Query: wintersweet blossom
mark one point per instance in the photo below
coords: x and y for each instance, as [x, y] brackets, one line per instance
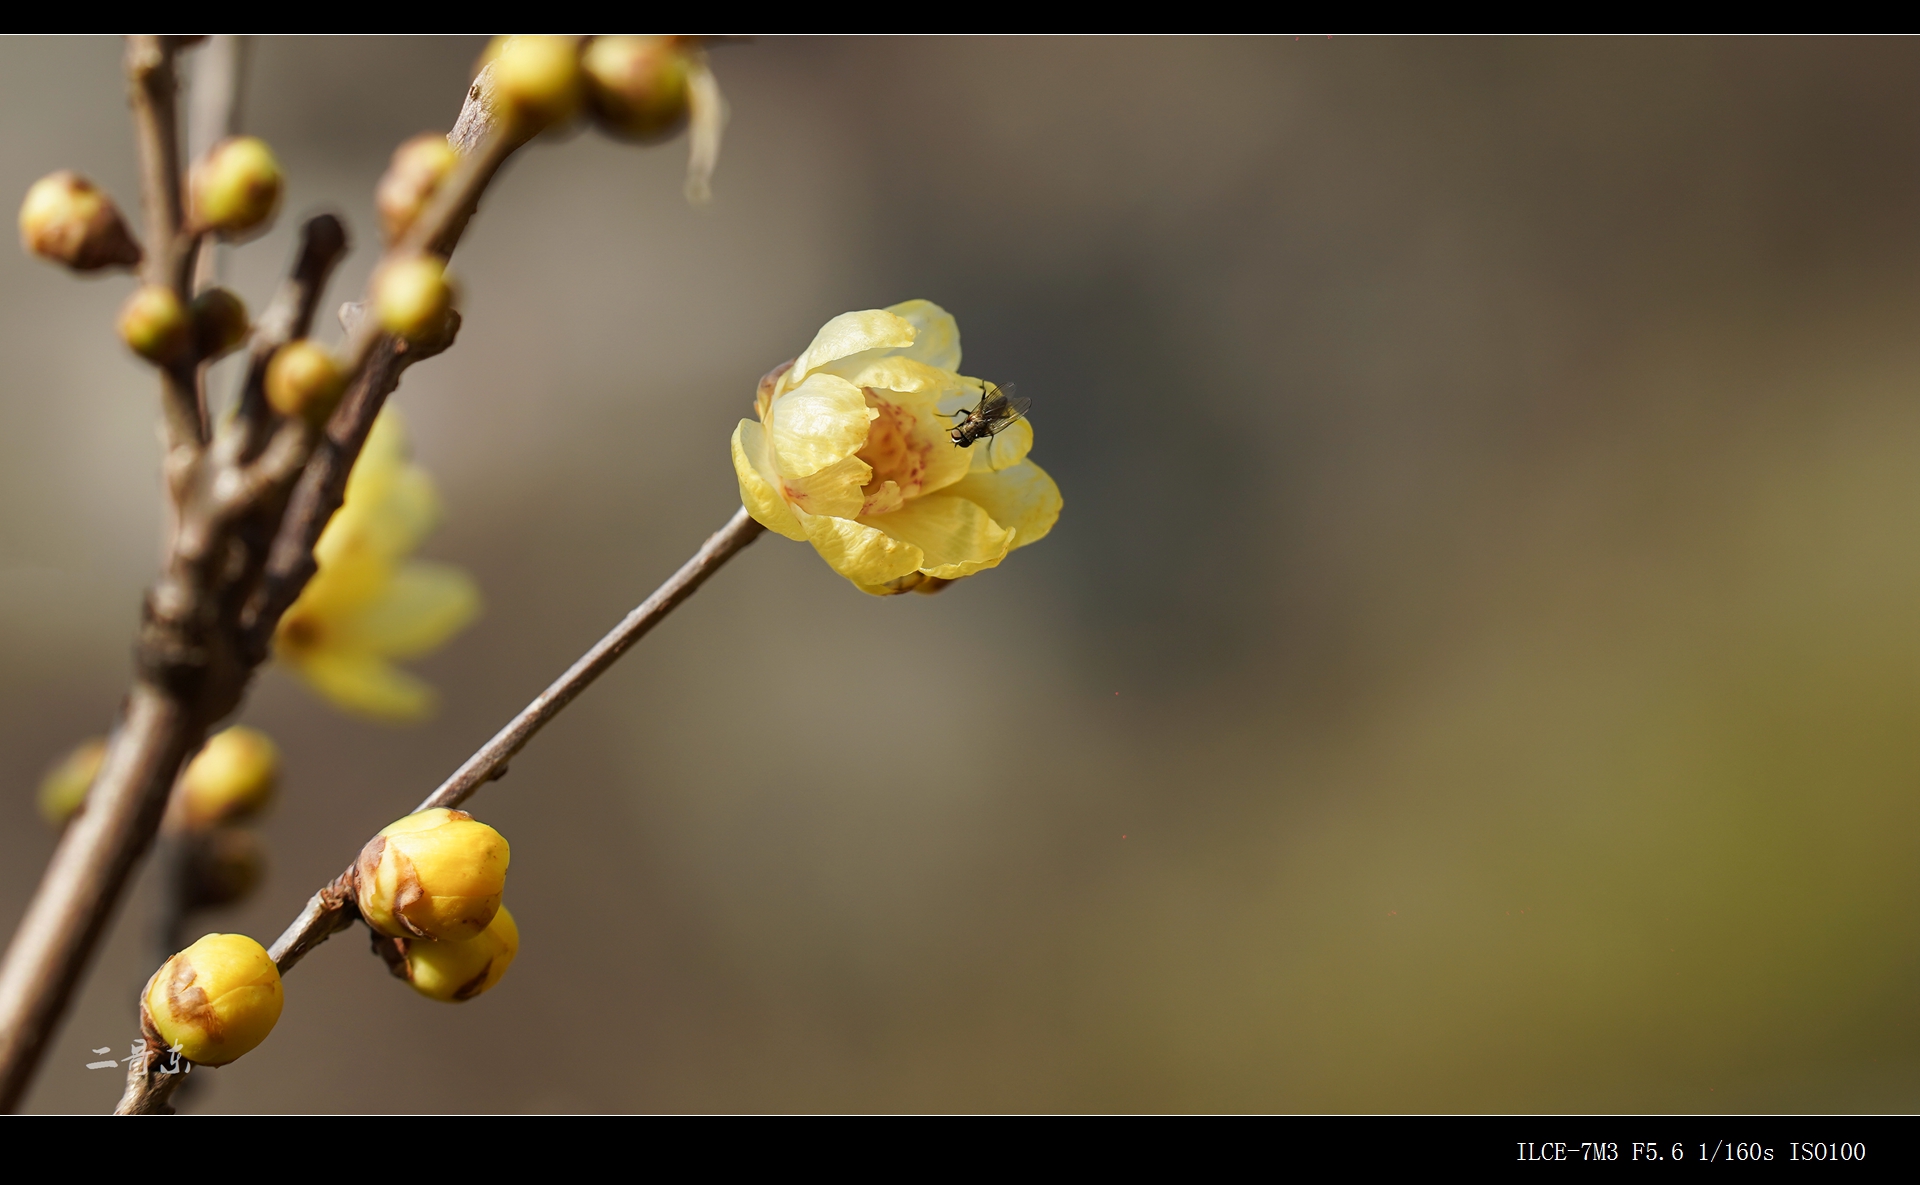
[369, 603]
[853, 454]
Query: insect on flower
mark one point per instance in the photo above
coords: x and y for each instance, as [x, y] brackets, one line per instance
[997, 410]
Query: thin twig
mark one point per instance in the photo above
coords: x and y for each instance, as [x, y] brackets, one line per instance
[332, 909]
[154, 84]
[324, 912]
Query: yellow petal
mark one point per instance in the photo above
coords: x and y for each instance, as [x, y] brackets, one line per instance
[820, 422]
[367, 684]
[862, 554]
[916, 383]
[955, 536]
[936, 339]
[757, 491]
[342, 585]
[421, 607]
[1021, 498]
[852, 333]
[834, 490]
[1003, 450]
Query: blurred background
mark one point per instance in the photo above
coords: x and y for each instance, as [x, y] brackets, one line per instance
[1478, 667]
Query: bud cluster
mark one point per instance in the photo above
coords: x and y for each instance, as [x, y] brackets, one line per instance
[431, 884]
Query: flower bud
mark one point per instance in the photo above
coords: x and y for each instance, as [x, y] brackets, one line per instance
[65, 785]
[230, 778]
[215, 1000]
[155, 325]
[304, 380]
[219, 323]
[418, 168]
[221, 867]
[236, 187]
[459, 971]
[537, 77]
[412, 298]
[437, 874]
[637, 85]
[66, 219]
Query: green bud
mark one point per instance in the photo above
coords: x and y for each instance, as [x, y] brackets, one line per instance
[236, 187]
[304, 380]
[537, 77]
[411, 297]
[68, 220]
[637, 85]
[155, 325]
[65, 785]
[417, 169]
[219, 323]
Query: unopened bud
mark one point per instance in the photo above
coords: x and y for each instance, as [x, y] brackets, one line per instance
[304, 381]
[219, 323]
[65, 785]
[411, 297]
[458, 971]
[155, 325]
[537, 77]
[221, 867]
[68, 220]
[215, 1000]
[637, 85]
[418, 168]
[438, 874]
[236, 187]
[230, 778]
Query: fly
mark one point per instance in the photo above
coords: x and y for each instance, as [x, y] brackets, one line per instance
[994, 414]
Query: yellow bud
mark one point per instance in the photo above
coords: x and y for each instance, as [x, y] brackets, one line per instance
[537, 76]
[412, 298]
[219, 323]
[231, 777]
[222, 866]
[217, 999]
[236, 187]
[637, 85]
[418, 168]
[155, 325]
[438, 874]
[65, 785]
[304, 380]
[459, 971]
[68, 220]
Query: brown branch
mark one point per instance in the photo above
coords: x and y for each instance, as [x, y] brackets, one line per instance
[153, 83]
[193, 661]
[330, 910]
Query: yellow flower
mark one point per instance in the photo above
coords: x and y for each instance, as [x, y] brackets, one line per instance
[369, 603]
[852, 454]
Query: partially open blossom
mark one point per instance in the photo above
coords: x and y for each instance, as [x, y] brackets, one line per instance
[65, 786]
[68, 220]
[853, 454]
[417, 169]
[438, 874]
[458, 971]
[236, 187]
[217, 999]
[231, 777]
[369, 603]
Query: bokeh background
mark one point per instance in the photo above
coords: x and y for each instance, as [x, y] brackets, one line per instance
[1478, 666]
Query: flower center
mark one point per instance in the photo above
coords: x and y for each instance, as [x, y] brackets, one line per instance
[299, 633]
[899, 460]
